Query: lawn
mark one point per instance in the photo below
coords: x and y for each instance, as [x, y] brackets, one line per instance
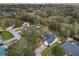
[57, 50]
[6, 35]
[54, 50]
[46, 52]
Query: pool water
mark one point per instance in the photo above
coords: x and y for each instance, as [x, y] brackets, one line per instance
[3, 51]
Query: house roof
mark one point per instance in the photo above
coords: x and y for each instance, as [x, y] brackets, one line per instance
[50, 38]
[2, 51]
[25, 24]
[72, 49]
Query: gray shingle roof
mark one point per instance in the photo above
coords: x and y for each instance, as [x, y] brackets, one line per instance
[50, 38]
[72, 49]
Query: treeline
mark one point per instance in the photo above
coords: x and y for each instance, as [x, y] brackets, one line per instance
[63, 18]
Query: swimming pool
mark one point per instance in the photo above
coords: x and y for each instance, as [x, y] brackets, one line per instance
[3, 51]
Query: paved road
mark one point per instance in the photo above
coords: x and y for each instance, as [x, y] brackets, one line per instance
[8, 42]
[6, 45]
[39, 50]
[18, 28]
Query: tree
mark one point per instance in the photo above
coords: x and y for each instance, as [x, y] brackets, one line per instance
[21, 48]
[27, 45]
[28, 18]
[17, 23]
[31, 33]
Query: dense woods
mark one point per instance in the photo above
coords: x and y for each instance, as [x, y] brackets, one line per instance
[62, 18]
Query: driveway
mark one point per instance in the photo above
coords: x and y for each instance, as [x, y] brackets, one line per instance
[18, 28]
[39, 50]
[16, 34]
[8, 43]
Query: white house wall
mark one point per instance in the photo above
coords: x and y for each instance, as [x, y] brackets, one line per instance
[46, 43]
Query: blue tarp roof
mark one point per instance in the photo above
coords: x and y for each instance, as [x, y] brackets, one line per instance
[71, 48]
[50, 38]
[2, 51]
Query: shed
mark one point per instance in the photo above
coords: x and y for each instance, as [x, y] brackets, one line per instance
[25, 24]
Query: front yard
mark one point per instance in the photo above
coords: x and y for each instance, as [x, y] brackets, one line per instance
[54, 50]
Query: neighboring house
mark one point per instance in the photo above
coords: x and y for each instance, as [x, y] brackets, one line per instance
[71, 49]
[50, 39]
[25, 25]
[3, 51]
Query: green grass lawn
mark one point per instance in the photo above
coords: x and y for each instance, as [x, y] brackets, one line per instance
[57, 50]
[6, 35]
[46, 52]
[54, 50]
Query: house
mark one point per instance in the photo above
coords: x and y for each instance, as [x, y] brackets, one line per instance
[71, 49]
[25, 24]
[50, 39]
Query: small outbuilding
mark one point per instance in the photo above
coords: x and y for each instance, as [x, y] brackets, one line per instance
[25, 24]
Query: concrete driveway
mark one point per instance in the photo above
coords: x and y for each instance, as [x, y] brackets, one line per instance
[16, 34]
